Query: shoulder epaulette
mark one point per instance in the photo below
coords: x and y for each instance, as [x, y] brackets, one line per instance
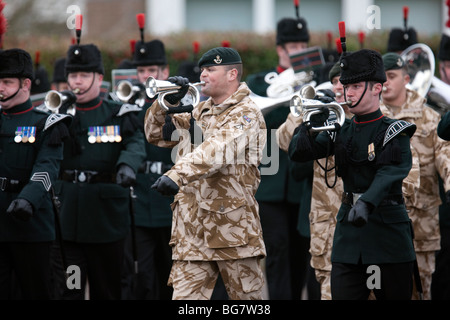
[54, 118]
[126, 107]
[398, 127]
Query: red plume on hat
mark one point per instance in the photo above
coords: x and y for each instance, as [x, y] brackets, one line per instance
[296, 6]
[3, 23]
[140, 18]
[225, 43]
[37, 59]
[342, 35]
[405, 17]
[195, 49]
[361, 37]
[338, 45]
[78, 25]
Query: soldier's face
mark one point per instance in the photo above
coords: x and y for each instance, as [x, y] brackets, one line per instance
[338, 89]
[157, 72]
[217, 82]
[287, 49]
[368, 98]
[395, 85]
[444, 71]
[9, 86]
[87, 84]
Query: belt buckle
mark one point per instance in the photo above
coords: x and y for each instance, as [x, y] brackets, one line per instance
[356, 196]
[3, 182]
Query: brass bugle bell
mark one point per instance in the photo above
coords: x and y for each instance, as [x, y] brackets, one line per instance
[161, 88]
[126, 90]
[54, 100]
[304, 105]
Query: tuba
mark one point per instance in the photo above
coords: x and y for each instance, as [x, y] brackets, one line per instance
[421, 67]
[304, 105]
[155, 87]
[54, 100]
[131, 92]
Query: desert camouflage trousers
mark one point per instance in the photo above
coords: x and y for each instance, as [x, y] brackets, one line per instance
[324, 278]
[426, 262]
[195, 280]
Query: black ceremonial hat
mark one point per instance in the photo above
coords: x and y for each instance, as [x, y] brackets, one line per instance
[84, 58]
[292, 30]
[58, 70]
[40, 82]
[399, 39]
[149, 53]
[444, 48]
[190, 70]
[362, 65]
[16, 63]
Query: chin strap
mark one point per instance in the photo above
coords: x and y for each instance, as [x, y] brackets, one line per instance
[364, 92]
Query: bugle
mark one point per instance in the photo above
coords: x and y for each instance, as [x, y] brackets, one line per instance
[54, 100]
[131, 92]
[304, 105]
[161, 88]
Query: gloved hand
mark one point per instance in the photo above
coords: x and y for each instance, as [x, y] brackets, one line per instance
[20, 209]
[165, 186]
[183, 82]
[359, 213]
[126, 177]
[317, 120]
[325, 96]
[447, 197]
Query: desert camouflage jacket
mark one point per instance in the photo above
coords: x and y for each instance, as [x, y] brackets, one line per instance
[434, 160]
[215, 214]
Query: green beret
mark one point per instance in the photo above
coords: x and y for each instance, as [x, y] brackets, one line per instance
[219, 56]
[392, 61]
[334, 71]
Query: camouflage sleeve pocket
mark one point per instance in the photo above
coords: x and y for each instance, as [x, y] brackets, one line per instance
[224, 222]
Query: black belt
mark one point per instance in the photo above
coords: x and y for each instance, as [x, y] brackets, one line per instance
[391, 200]
[158, 167]
[80, 176]
[11, 185]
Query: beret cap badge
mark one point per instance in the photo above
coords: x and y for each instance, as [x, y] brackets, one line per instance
[218, 60]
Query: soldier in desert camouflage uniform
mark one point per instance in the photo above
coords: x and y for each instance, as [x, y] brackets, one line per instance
[434, 154]
[215, 226]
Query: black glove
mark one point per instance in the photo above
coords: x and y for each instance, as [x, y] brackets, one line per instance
[325, 96]
[165, 186]
[447, 197]
[20, 209]
[125, 176]
[317, 120]
[183, 82]
[359, 213]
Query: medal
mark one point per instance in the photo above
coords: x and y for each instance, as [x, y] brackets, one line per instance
[32, 138]
[18, 137]
[371, 152]
[110, 131]
[117, 136]
[91, 135]
[98, 137]
[25, 135]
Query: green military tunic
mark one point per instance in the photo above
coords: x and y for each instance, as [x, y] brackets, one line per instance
[21, 160]
[387, 237]
[152, 209]
[94, 208]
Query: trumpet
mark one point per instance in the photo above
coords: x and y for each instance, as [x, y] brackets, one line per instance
[131, 92]
[155, 87]
[304, 105]
[54, 100]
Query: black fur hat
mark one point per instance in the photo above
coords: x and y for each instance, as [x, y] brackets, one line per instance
[85, 58]
[40, 82]
[362, 65]
[58, 70]
[292, 30]
[444, 48]
[149, 53]
[399, 39]
[16, 63]
[190, 70]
